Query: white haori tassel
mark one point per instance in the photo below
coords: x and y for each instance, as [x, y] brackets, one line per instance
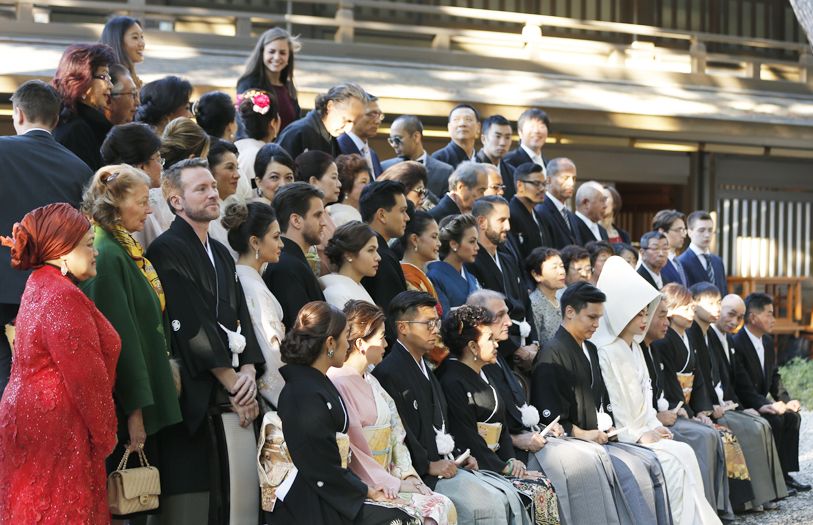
[237, 343]
[663, 404]
[605, 422]
[530, 416]
[444, 442]
[524, 330]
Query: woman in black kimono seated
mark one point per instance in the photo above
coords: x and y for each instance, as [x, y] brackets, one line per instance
[320, 488]
[476, 414]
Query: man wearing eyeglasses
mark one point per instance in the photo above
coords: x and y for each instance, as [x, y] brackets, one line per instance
[698, 262]
[563, 223]
[654, 254]
[406, 138]
[528, 227]
[365, 127]
[496, 139]
[123, 97]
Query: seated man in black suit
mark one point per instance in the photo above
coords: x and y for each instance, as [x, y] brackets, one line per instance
[37, 170]
[406, 138]
[532, 126]
[496, 139]
[301, 216]
[334, 111]
[654, 254]
[467, 183]
[591, 203]
[563, 223]
[383, 206]
[365, 127]
[528, 228]
[754, 346]
[697, 260]
[464, 128]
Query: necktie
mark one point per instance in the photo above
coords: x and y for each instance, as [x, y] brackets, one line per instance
[709, 268]
[365, 152]
[679, 267]
[563, 211]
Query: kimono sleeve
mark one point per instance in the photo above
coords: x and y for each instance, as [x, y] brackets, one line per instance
[401, 465]
[630, 408]
[76, 350]
[550, 393]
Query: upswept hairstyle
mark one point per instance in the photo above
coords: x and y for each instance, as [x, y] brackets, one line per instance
[350, 166]
[419, 221]
[462, 326]
[363, 319]
[183, 139]
[214, 111]
[161, 98]
[255, 123]
[408, 172]
[268, 154]
[312, 163]
[254, 70]
[348, 238]
[75, 71]
[452, 228]
[245, 220]
[132, 143]
[315, 322]
[108, 188]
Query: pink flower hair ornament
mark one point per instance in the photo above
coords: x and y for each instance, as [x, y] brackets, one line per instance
[261, 102]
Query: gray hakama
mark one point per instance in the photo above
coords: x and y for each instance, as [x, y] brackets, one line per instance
[708, 447]
[756, 439]
[642, 482]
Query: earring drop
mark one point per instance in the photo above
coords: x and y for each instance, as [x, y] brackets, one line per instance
[330, 352]
[415, 247]
[257, 254]
[454, 250]
[64, 269]
[349, 260]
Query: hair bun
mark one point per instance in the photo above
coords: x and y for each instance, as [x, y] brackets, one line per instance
[235, 213]
[23, 250]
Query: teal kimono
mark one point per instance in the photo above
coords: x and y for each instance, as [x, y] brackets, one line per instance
[143, 376]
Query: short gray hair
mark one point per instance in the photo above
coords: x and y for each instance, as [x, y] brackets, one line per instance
[467, 172]
[171, 177]
[558, 165]
[341, 93]
[588, 191]
[649, 236]
[482, 297]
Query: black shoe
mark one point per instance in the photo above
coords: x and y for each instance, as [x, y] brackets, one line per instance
[793, 484]
[727, 517]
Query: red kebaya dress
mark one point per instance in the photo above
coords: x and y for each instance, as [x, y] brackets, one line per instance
[57, 419]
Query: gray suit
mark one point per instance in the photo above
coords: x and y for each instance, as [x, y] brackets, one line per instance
[437, 172]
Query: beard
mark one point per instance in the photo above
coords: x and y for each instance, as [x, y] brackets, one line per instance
[203, 214]
[313, 238]
[495, 237]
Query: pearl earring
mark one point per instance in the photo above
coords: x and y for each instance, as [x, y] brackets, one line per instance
[415, 247]
[257, 254]
[330, 352]
[349, 260]
[64, 269]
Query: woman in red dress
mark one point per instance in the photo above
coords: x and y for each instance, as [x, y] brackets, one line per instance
[57, 419]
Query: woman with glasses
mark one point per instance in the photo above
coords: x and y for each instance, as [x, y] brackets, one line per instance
[458, 246]
[82, 80]
[354, 175]
[414, 177]
[164, 100]
[548, 272]
[577, 264]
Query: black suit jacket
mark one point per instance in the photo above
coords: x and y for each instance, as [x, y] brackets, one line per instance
[586, 235]
[292, 282]
[36, 171]
[445, 207]
[421, 405]
[695, 273]
[389, 281]
[561, 236]
[525, 232]
[451, 154]
[348, 147]
[648, 278]
[517, 157]
[673, 354]
[83, 132]
[306, 134]
[506, 171]
[766, 380]
[736, 383]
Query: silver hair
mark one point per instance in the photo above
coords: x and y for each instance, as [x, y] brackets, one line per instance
[558, 165]
[588, 191]
[466, 172]
[483, 296]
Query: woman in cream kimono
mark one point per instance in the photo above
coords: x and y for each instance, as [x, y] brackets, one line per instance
[630, 305]
[379, 455]
[353, 255]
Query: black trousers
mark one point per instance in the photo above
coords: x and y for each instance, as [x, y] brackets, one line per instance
[7, 314]
[786, 435]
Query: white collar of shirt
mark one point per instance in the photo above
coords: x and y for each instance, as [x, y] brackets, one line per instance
[722, 338]
[757, 342]
[537, 159]
[48, 131]
[418, 362]
[672, 255]
[208, 248]
[590, 224]
[700, 253]
[360, 144]
[422, 158]
[656, 277]
[556, 202]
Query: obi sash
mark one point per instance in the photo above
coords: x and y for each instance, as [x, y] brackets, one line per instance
[378, 439]
[490, 432]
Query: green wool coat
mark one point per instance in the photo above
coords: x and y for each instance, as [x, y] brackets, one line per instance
[143, 376]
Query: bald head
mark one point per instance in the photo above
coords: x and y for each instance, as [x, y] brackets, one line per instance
[591, 200]
[732, 313]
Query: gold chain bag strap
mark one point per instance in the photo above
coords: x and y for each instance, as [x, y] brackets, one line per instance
[132, 490]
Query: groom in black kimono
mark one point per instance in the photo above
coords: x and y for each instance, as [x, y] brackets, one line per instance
[204, 299]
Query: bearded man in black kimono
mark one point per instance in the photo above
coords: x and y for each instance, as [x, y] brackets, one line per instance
[212, 454]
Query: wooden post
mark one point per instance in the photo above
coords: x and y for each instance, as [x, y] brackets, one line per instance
[806, 67]
[25, 11]
[697, 52]
[344, 18]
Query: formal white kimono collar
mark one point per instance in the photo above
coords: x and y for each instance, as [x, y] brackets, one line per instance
[627, 294]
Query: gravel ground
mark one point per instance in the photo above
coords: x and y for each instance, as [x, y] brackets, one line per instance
[796, 510]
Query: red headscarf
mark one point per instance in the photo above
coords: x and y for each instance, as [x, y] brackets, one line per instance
[44, 234]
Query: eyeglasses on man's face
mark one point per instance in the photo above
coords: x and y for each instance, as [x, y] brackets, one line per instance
[431, 324]
[132, 94]
[535, 183]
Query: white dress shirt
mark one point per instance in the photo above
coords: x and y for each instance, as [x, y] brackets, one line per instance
[590, 224]
[701, 254]
[655, 276]
[757, 342]
[536, 159]
[363, 147]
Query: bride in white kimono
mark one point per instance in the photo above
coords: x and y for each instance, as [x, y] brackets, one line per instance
[631, 303]
[379, 455]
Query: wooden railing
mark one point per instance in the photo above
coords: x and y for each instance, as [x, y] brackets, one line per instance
[528, 35]
[787, 299]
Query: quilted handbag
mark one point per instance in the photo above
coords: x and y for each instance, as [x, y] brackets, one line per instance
[131, 490]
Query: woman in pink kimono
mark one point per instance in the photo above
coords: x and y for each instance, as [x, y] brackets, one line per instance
[380, 457]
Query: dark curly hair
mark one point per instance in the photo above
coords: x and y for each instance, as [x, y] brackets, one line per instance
[350, 166]
[348, 238]
[462, 326]
[363, 319]
[315, 322]
[161, 98]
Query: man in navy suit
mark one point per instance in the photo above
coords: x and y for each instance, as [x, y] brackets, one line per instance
[672, 223]
[755, 349]
[37, 170]
[591, 202]
[532, 126]
[365, 127]
[698, 262]
[496, 139]
[563, 223]
[406, 138]
[464, 128]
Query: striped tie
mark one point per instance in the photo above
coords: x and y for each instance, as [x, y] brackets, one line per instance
[709, 268]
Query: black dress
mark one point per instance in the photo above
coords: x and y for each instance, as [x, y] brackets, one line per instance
[323, 491]
[83, 132]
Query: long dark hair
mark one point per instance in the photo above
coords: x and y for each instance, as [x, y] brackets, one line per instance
[113, 36]
[254, 71]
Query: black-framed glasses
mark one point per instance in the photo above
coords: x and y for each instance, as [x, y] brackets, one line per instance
[430, 324]
[420, 191]
[133, 94]
[103, 77]
[395, 141]
[535, 183]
